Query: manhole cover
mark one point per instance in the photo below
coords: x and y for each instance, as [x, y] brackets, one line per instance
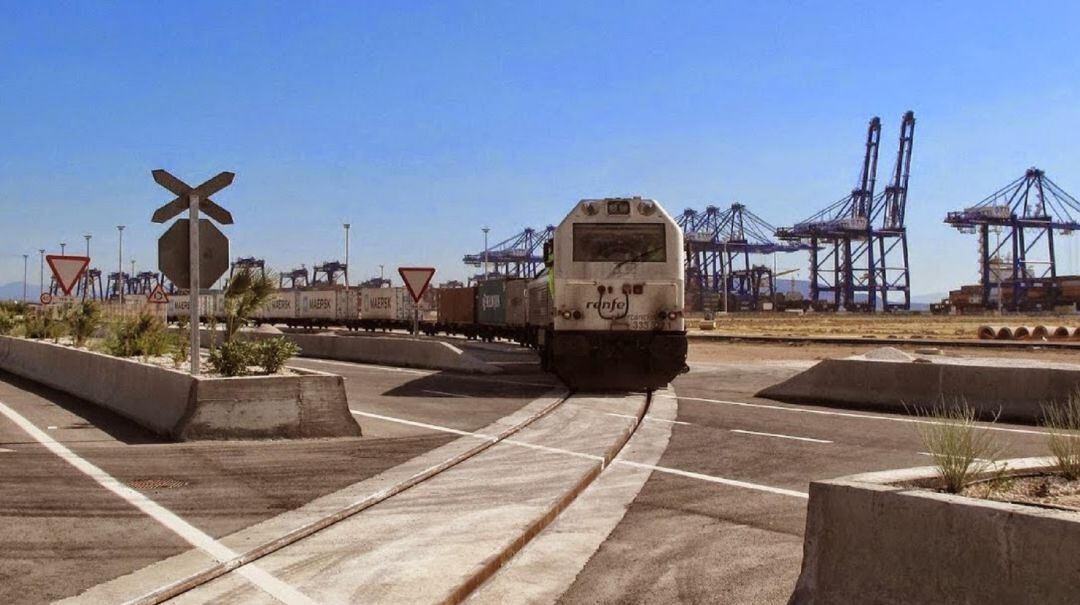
[157, 483]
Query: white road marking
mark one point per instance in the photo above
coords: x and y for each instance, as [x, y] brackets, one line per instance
[784, 408]
[373, 367]
[193, 535]
[444, 393]
[424, 425]
[600, 459]
[4, 450]
[650, 419]
[51, 427]
[778, 435]
[721, 480]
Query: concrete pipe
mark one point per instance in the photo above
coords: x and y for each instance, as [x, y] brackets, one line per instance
[1005, 333]
[1023, 332]
[988, 332]
[1062, 332]
[1041, 332]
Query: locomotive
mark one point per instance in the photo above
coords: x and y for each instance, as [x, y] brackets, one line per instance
[606, 314]
[615, 289]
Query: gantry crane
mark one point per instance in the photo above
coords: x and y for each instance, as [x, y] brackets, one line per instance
[718, 248]
[1028, 211]
[858, 245]
[516, 256]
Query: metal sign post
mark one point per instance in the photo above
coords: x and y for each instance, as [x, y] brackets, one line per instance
[170, 256]
[416, 281]
[193, 260]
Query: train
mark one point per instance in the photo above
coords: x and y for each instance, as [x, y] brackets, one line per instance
[605, 314]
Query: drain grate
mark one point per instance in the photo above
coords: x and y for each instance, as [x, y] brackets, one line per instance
[157, 483]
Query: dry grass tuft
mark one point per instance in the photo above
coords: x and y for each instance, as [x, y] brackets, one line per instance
[961, 449]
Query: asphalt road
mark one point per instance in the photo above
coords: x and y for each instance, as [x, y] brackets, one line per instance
[62, 532]
[721, 522]
[694, 540]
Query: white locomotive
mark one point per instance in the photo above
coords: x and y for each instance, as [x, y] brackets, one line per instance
[615, 289]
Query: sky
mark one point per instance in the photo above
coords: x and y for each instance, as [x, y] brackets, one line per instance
[421, 122]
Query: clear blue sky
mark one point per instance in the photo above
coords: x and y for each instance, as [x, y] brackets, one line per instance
[421, 122]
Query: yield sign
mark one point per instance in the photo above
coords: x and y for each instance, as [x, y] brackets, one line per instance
[416, 280]
[157, 295]
[67, 270]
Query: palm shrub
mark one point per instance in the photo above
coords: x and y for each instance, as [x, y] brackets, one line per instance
[272, 353]
[233, 358]
[83, 319]
[1063, 420]
[246, 293]
[142, 335]
[961, 448]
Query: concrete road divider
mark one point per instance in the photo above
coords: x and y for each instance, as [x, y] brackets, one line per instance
[398, 351]
[177, 405]
[870, 539]
[1016, 392]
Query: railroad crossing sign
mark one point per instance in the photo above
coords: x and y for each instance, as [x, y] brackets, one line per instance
[174, 252]
[184, 192]
[416, 280]
[67, 270]
[157, 295]
[193, 252]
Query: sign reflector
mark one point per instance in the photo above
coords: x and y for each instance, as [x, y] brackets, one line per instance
[158, 295]
[416, 280]
[67, 270]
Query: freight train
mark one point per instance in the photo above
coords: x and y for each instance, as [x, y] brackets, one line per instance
[606, 314]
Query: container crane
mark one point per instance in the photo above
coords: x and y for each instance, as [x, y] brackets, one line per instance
[1027, 211]
[517, 256]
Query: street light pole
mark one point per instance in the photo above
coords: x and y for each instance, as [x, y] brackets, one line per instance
[120, 265]
[41, 275]
[62, 247]
[86, 276]
[485, 230]
[347, 257]
[380, 275]
[24, 258]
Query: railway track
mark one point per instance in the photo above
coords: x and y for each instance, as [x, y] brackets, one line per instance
[490, 564]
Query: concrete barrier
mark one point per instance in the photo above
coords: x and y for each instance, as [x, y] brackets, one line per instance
[871, 540]
[1018, 393]
[177, 405]
[399, 351]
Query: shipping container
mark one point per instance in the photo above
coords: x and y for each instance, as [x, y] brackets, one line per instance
[456, 306]
[280, 307]
[517, 301]
[385, 304]
[491, 302]
[318, 304]
[209, 304]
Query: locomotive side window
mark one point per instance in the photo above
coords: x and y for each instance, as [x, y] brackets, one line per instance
[620, 242]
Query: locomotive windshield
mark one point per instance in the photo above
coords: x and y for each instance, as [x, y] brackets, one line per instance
[620, 242]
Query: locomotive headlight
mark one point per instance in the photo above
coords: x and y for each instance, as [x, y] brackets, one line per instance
[646, 208]
[577, 314]
[567, 314]
[589, 208]
[673, 315]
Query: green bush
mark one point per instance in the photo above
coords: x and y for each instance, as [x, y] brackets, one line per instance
[7, 322]
[233, 358]
[84, 319]
[181, 346]
[35, 325]
[271, 354]
[961, 448]
[1063, 420]
[143, 335]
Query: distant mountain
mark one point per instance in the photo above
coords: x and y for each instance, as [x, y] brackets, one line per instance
[14, 291]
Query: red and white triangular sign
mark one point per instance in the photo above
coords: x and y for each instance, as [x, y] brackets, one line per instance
[157, 295]
[416, 280]
[67, 270]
